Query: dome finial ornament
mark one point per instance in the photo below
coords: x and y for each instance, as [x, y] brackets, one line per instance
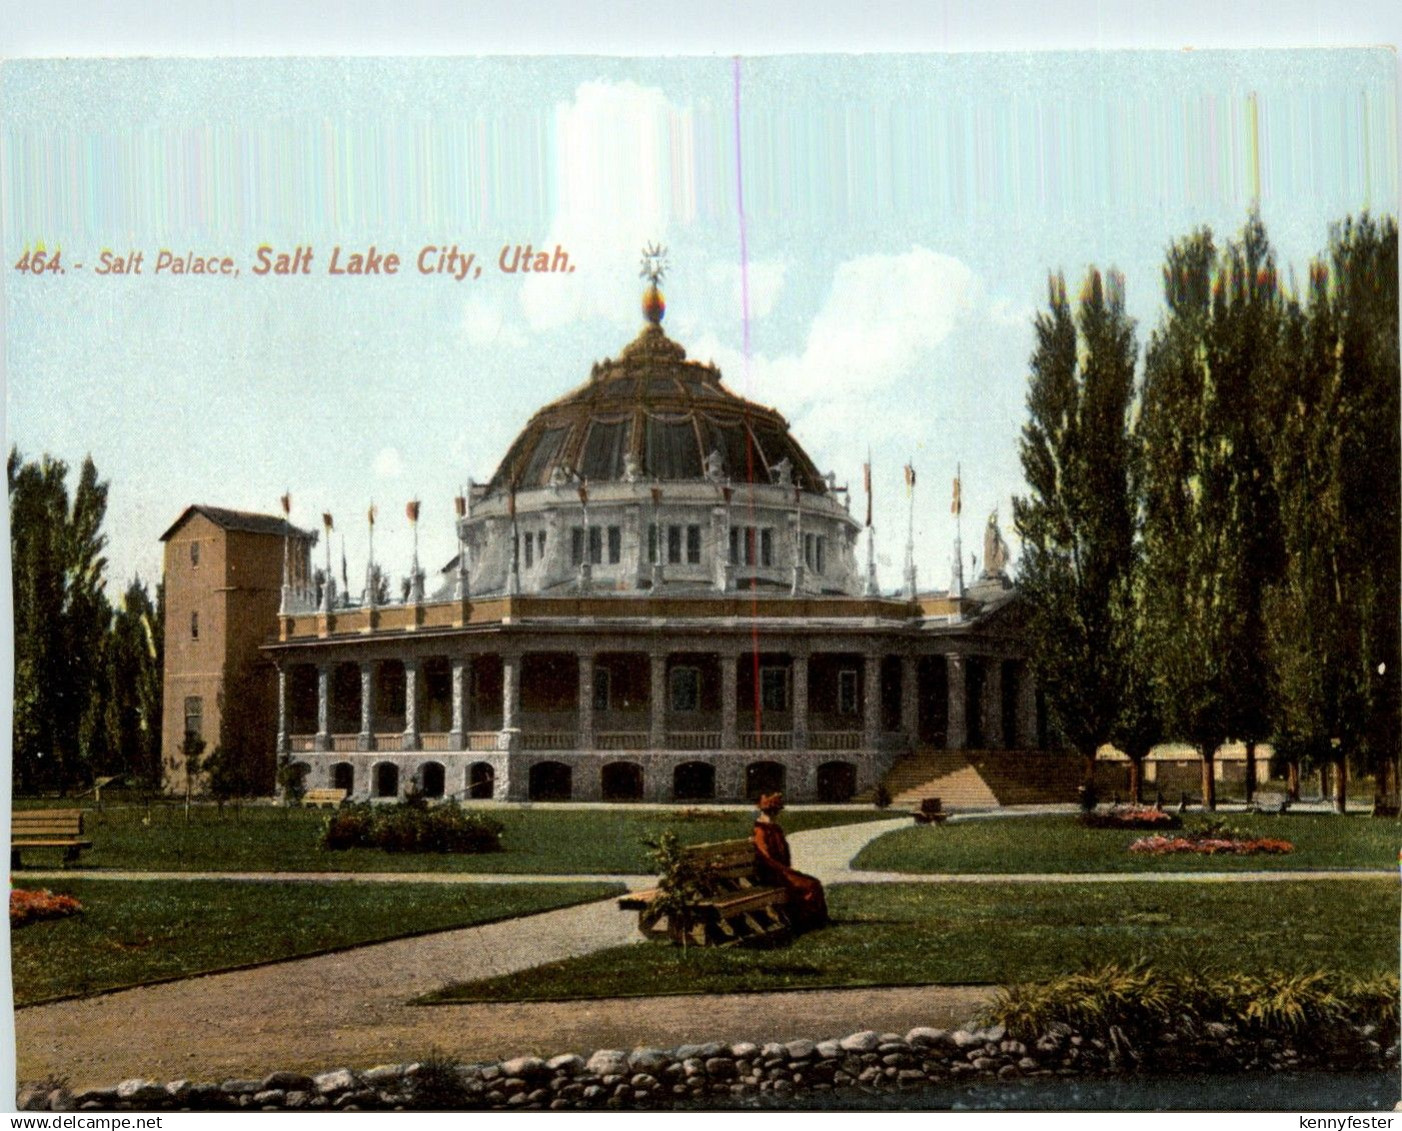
[654, 268]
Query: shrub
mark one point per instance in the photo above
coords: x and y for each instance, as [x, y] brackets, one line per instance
[881, 798]
[31, 906]
[1131, 817]
[411, 827]
[1138, 1003]
[438, 1083]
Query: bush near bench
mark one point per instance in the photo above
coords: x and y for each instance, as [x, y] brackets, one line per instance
[411, 826]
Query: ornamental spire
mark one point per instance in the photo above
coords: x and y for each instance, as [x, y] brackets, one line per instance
[654, 268]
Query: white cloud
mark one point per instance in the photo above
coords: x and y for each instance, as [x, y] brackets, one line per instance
[764, 282]
[388, 464]
[484, 324]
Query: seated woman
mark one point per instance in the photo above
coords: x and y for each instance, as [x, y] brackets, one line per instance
[807, 905]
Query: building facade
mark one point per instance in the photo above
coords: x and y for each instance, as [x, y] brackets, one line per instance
[657, 597]
[224, 572]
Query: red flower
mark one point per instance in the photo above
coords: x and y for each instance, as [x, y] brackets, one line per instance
[30, 906]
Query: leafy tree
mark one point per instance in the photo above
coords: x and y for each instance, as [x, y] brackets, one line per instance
[61, 622]
[132, 712]
[1332, 614]
[1210, 535]
[1076, 523]
[193, 763]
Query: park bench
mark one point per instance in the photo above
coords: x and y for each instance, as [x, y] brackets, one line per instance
[323, 798]
[736, 905]
[47, 828]
[931, 812]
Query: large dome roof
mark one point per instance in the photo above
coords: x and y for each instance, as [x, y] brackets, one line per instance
[651, 414]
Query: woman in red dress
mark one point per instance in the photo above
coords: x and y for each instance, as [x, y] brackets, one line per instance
[807, 905]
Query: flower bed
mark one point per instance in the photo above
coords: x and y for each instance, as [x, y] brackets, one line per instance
[411, 827]
[1211, 844]
[31, 906]
[1131, 817]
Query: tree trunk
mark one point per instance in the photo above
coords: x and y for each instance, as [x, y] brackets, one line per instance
[1292, 780]
[1209, 779]
[1340, 786]
[1136, 780]
[1324, 782]
[1250, 770]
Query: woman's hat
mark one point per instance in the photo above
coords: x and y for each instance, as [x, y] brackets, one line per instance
[771, 802]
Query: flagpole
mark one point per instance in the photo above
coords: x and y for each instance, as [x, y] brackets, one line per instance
[958, 530]
[371, 598]
[871, 587]
[910, 533]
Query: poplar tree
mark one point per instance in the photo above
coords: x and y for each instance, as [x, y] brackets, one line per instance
[1076, 522]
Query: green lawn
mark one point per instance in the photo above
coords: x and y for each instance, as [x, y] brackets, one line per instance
[133, 932]
[902, 934]
[1059, 844]
[263, 838]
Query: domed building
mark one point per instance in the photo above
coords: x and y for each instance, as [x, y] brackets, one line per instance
[657, 597]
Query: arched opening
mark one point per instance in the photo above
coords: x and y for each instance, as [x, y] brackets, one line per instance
[481, 781]
[432, 779]
[550, 781]
[694, 781]
[837, 782]
[343, 777]
[386, 779]
[763, 777]
[622, 781]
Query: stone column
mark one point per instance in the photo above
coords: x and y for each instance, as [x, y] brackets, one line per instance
[992, 704]
[800, 701]
[510, 699]
[458, 738]
[584, 740]
[411, 704]
[1026, 707]
[957, 734]
[729, 699]
[871, 701]
[657, 738]
[366, 739]
[323, 707]
[910, 699]
[284, 744]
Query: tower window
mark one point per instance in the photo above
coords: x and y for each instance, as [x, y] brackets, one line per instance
[615, 545]
[540, 544]
[596, 546]
[734, 545]
[576, 545]
[194, 626]
[766, 548]
[674, 544]
[847, 692]
[194, 553]
[652, 543]
[194, 716]
[530, 550]
[693, 545]
[774, 688]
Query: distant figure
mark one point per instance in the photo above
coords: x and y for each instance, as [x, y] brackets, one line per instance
[809, 907]
[715, 466]
[782, 473]
[995, 550]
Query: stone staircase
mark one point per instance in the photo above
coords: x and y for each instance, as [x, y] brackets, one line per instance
[982, 779]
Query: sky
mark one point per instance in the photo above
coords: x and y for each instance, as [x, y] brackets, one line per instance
[861, 242]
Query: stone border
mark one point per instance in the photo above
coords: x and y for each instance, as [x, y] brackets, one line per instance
[742, 1075]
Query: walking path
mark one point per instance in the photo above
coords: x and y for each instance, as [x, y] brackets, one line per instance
[350, 1008]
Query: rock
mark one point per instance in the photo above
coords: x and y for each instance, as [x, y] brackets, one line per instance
[996, 1033]
[377, 1075]
[745, 1050]
[800, 1049]
[568, 1063]
[139, 1092]
[910, 1078]
[295, 1081]
[963, 1039]
[648, 1060]
[1027, 1064]
[1008, 1071]
[720, 1068]
[296, 1099]
[984, 1063]
[241, 1087]
[33, 1097]
[865, 1041]
[593, 1092]
[96, 1095]
[923, 1036]
[773, 1051]
[337, 1080]
[269, 1096]
[828, 1050]
[644, 1081]
[61, 1099]
[524, 1067]
[783, 1087]
[701, 1052]
[608, 1062]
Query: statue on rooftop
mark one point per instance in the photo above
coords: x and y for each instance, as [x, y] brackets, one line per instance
[995, 550]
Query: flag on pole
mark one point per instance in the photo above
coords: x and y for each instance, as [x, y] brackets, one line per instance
[957, 506]
[287, 503]
[583, 489]
[866, 482]
[370, 514]
[345, 574]
[460, 504]
[412, 510]
[657, 496]
[909, 479]
[511, 501]
[326, 521]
